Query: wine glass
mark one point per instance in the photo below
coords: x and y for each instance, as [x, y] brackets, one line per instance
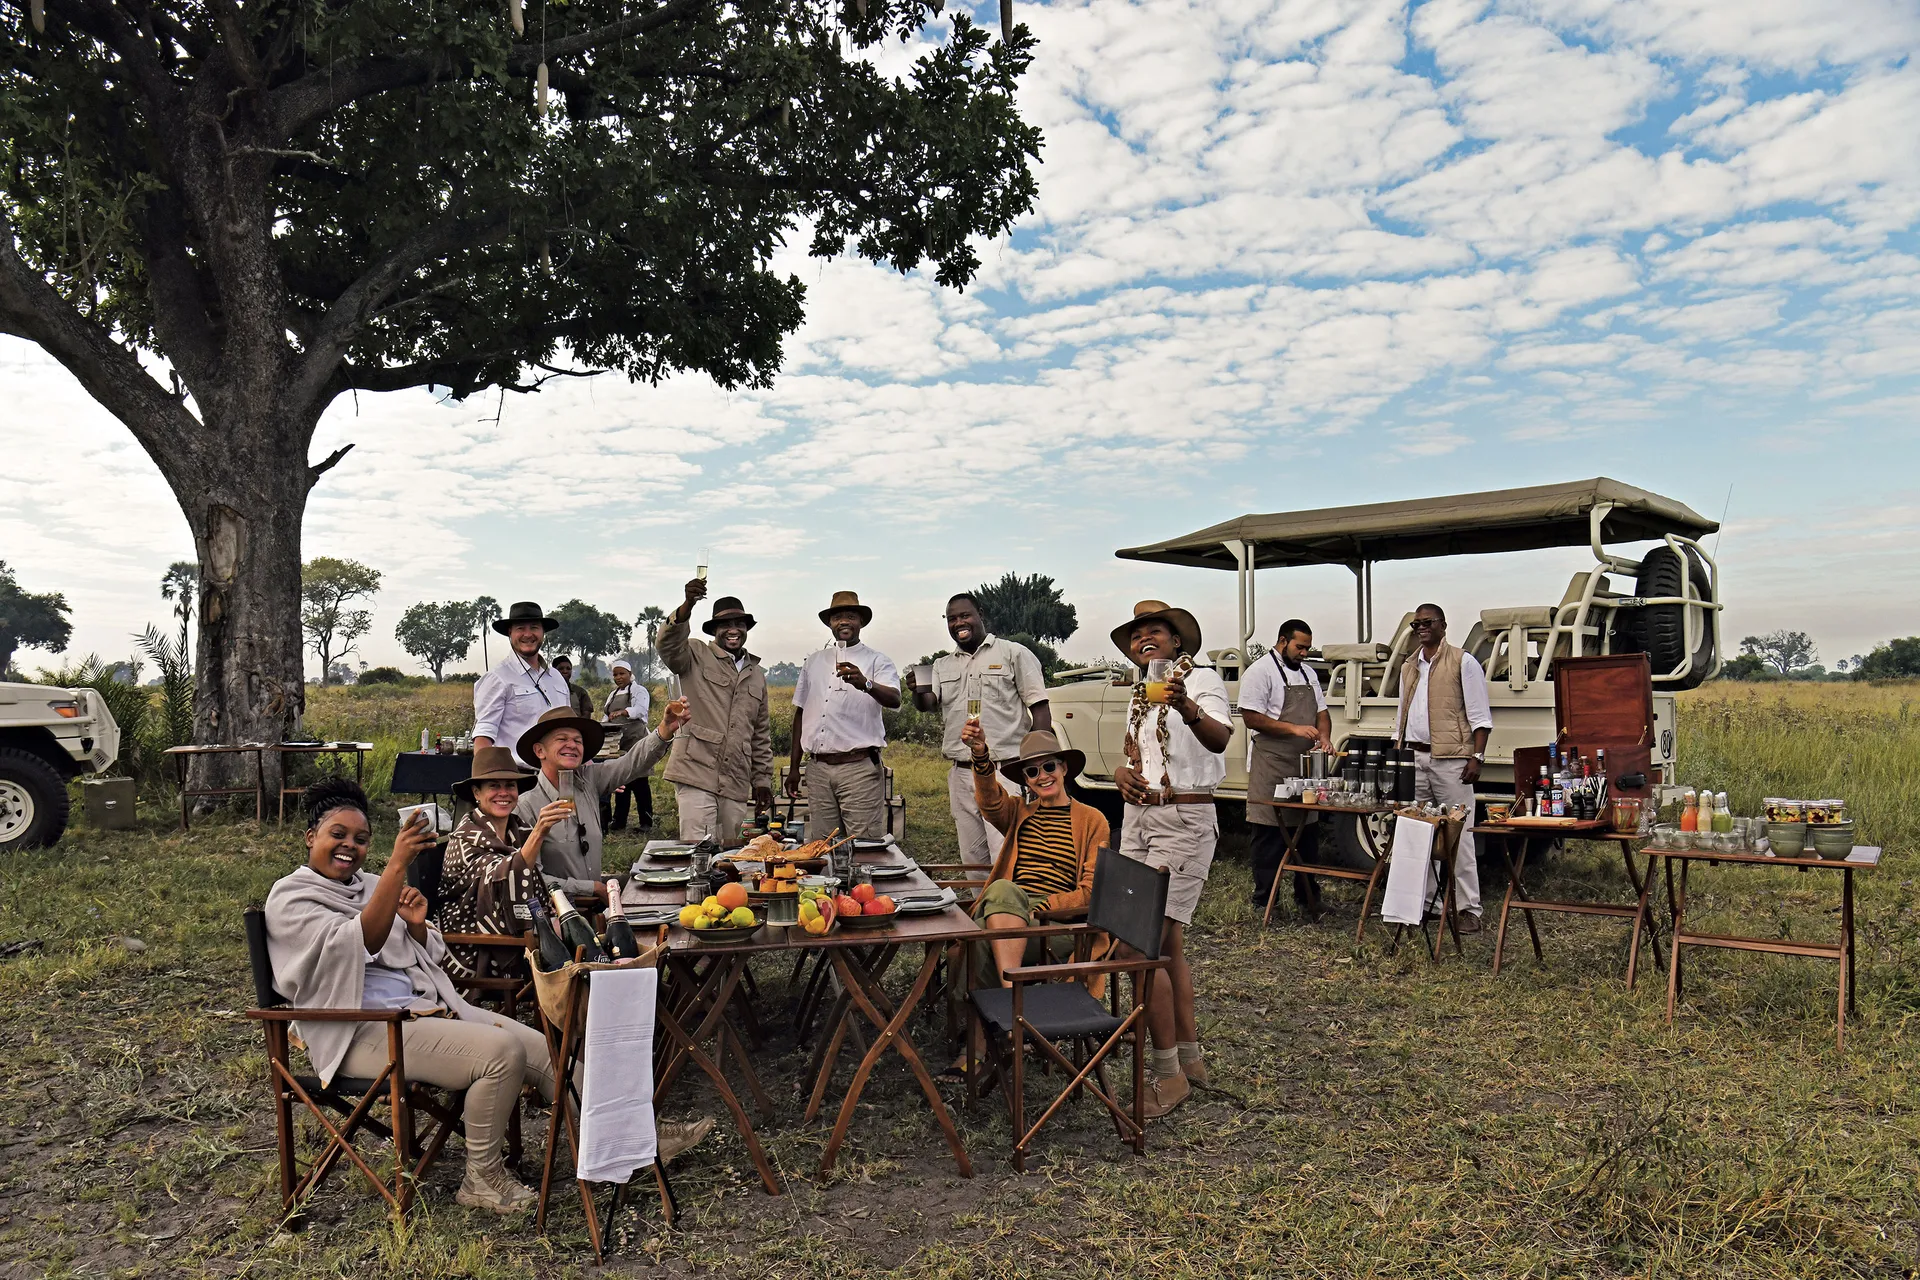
[700, 569]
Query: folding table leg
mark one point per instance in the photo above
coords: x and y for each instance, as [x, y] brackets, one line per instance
[1678, 899]
[1293, 846]
[691, 1050]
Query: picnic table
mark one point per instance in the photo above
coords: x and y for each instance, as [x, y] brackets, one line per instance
[358, 750]
[1863, 858]
[1501, 836]
[1288, 859]
[181, 755]
[709, 980]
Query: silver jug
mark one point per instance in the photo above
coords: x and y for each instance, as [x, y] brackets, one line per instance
[1316, 764]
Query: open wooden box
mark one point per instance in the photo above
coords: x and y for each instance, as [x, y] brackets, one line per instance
[1605, 701]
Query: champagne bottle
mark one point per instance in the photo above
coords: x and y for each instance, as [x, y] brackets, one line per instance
[621, 944]
[554, 954]
[575, 929]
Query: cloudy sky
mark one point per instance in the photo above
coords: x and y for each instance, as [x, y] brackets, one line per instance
[1287, 254]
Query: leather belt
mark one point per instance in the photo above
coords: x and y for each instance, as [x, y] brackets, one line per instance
[1421, 746]
[843, 757]
[1179, 797]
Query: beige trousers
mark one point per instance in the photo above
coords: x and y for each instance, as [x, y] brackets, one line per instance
[1438, 781]
[489, 1056]
[980, 840]
[707, 813]
[848, 798]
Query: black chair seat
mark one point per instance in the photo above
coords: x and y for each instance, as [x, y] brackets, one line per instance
[1056, 1010]
[342, 1086]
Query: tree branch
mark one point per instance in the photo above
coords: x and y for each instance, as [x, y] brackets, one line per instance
[326, 464]
[325, 90]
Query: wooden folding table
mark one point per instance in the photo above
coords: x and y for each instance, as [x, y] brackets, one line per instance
[1516, 896]
[1863, 858]
[358, 750]
[258, 790]
[1288, 863]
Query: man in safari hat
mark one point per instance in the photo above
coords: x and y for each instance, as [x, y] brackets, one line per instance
[722, 767]
[562, 742]
[1175, 745]
[837, 720]
[523, 687]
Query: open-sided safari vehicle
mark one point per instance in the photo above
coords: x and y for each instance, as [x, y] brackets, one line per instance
[1664, 603]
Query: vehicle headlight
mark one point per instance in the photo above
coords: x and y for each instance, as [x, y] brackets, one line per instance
[69, 709]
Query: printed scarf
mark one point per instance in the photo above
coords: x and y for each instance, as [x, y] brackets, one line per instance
[1137, 716]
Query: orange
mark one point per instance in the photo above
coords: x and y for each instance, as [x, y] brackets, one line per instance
[732, 894]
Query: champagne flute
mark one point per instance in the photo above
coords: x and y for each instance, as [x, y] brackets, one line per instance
[700, 569]
[565, 788]
[973, 698]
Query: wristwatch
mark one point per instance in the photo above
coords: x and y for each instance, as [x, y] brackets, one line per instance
[1481, 756]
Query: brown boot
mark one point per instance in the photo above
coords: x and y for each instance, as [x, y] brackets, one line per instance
[495, 1189]
[1164, 1093]
[1467, 923]
[1195, 1071]
[676, 1137]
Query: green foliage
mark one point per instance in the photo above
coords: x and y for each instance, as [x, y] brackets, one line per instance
[1894, 660]
[30, 621]
[1747, 666]
[485, 611]
[436, 634]
[173, 717]
[783, 675]
[178, 584]
[384, 675]
[1785, 651]
[585, 632]
[1029, 606]
[329, 590]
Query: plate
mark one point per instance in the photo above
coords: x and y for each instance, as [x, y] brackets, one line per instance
[893, 871]
[932, 904]
[665, 877]
[872, 844]
[681, 853]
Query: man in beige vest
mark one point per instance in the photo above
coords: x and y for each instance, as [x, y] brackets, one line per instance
[1445, 718]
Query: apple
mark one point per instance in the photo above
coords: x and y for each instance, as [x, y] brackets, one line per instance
[882, 906]
[847, 905]
[863, 893]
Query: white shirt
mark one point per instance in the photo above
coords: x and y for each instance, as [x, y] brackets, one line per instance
[836, 716]
[509, 698]
[1009, 681]
[1193, 767]
[1263, 689]
[1473, 691]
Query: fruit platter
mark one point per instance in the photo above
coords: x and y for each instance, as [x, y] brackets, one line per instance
[723, 917]
[862, 908]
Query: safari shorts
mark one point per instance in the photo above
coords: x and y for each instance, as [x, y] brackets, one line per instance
[1179, 837]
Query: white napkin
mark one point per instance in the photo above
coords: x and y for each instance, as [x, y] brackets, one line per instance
[616, 1091]
[1410, 878]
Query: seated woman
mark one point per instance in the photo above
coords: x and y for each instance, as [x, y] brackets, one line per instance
[1046, 860]
[339, 939]
[492, 860]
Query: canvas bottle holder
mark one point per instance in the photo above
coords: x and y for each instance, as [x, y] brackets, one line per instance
[555, 988]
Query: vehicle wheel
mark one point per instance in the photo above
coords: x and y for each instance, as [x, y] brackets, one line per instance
[1355, 840]
[33, 801]
[1659, 631]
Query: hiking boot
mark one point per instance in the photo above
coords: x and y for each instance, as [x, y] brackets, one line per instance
[1467, 923]
[493, 1188]
[1195, 1071]
[676, 1137]
[1164, 1094]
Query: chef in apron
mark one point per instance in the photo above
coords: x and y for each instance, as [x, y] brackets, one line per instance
[1286, 716]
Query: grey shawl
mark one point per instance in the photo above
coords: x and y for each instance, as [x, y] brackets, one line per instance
[320, 959]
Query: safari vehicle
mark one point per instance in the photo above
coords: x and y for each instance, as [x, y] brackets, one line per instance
[48, 736]
[1666, 604]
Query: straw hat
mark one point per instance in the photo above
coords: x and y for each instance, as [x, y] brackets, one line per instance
[1180, 620]
[592, 731]
[845, 600]
[729, 609]
[1039, 744]
[492, 764]
[525, 611]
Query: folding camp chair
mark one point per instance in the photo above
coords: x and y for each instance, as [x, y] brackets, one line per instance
[348, 1096]
[506, 976]
[1049, 1003]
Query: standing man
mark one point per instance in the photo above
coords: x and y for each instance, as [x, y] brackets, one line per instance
[1286, 714]
[1012, 690]
[561, 742]
[1174, 761]
[722, 767]
[579, 699]
[1445, 718]
[837, 720]
[628, 705]
[523, 687]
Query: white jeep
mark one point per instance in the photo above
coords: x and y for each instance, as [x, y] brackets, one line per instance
[48, 736]
[1669, 608]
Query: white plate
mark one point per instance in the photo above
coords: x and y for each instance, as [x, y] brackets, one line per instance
[896, 871]
[931, 906]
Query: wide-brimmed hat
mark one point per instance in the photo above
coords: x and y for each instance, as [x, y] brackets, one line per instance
[1180, 620]
[1038, 745]
[492, 764]
[525, 611]
[729, 609]
[845, 600]
[592, 732]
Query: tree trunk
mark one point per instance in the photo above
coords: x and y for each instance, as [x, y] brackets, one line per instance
[245, 512]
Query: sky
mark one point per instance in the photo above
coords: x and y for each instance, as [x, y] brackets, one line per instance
[1286, 255]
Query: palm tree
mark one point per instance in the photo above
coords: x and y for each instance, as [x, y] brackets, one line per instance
[485, 610]
[178, 585]
[651, 619]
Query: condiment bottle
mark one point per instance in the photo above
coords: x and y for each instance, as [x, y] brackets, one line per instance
[1722, 815]
[1689, 811]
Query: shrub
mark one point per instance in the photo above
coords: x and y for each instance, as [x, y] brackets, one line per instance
[384, 675]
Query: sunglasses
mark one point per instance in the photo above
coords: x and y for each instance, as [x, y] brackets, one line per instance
[1044, 767]
[1421, 624]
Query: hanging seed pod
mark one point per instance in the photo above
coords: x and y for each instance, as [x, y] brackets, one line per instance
[546, 259]
[786, 114]
[1006, 19]
[861, 7]
[937, 5]
[37, 11]
[517, 10]
[540, 88]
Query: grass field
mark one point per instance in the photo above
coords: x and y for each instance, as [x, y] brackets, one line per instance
[1371, 1115]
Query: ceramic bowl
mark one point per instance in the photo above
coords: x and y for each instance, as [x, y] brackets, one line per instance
[1787, 839]
[1832, 840]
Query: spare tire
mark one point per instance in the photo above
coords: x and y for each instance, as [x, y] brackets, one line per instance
[1660, 630]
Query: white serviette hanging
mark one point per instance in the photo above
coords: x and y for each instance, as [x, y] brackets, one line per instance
[1410, 878]
[617, 1133]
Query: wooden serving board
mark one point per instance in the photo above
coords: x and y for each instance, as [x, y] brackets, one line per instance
[1540, 822]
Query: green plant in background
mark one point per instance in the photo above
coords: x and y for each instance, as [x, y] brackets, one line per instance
[172, 723]
[130, 706]
[329, 590]
[436, 634]
[29, 620]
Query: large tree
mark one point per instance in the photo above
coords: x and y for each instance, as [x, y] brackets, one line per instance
[221, 215]
[436, 634]
[1030, 606]
[1785, 651]
[30, 620]
[586, 632]
[331, 593]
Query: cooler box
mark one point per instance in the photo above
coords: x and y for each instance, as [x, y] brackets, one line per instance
[108, 803]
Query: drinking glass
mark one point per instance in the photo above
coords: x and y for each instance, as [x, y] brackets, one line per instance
[923, 676]
[784, 909]
[1157, 671]
[564, 790]
[700, 570]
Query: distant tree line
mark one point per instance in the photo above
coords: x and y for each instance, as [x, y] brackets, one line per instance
[1791, 655]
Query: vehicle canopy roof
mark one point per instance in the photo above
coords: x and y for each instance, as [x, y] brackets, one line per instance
[1548, 515]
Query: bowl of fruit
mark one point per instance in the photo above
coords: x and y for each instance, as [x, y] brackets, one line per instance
[862, 908]
[819, 913]
[723, 917]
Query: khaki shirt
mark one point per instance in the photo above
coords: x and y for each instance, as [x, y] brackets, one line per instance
[728, 749]
[1010, 683]
[570, 853]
